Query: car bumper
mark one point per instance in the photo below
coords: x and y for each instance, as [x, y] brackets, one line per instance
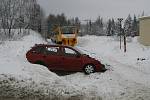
[100, 68]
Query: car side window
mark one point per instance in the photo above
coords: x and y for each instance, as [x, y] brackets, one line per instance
[69, 52]
[52, 50]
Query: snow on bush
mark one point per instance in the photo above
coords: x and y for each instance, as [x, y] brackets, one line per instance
[28, 88]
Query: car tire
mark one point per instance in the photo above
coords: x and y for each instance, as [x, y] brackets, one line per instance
[89, 68]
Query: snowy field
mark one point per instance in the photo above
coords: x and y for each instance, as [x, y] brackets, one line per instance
[127, 77]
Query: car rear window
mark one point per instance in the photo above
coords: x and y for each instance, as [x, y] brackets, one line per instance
[38, 49]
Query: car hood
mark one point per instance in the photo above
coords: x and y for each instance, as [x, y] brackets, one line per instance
[90, 57]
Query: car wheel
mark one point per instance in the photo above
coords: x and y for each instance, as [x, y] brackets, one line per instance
[88, 69]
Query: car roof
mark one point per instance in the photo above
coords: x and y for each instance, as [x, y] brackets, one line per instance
[51, 45]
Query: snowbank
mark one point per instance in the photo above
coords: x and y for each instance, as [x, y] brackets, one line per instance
[128, 77]
[137, 55]
[22, 80]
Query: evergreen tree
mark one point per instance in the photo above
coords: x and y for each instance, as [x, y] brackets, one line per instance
[61, 19]
[112, 27]
[99, 26]
[128, 26]
[134, 27]
[109, 27]
[56, 20]
[143, 14]
[77, 21]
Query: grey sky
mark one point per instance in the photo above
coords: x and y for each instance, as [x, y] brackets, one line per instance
[90, 9]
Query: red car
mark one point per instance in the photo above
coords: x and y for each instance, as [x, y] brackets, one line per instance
[66, 58]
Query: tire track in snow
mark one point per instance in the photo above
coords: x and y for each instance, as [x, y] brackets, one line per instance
[130, 73]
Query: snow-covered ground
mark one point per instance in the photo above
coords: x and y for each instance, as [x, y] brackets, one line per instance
[128, 77]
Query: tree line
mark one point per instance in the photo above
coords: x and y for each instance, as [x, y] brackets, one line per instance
[99, 27]
[60, 20]
[111, 27]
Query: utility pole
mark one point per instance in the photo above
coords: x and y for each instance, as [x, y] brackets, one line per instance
[124, 31]
[120, 28]
[90, 24]
[125, 42]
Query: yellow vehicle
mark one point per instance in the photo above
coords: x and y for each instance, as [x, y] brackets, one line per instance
[66, 35]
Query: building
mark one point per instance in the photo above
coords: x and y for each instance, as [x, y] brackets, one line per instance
[144, 31]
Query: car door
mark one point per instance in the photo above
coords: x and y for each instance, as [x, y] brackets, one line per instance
[70, 60]
[52, 57]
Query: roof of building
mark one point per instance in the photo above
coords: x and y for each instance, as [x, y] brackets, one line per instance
[144, 17]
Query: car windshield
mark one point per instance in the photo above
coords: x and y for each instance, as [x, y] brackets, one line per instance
[79, 50]
[68, 30]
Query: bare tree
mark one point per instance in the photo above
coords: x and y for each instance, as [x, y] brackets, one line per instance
[20, 14]
[9, 10]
